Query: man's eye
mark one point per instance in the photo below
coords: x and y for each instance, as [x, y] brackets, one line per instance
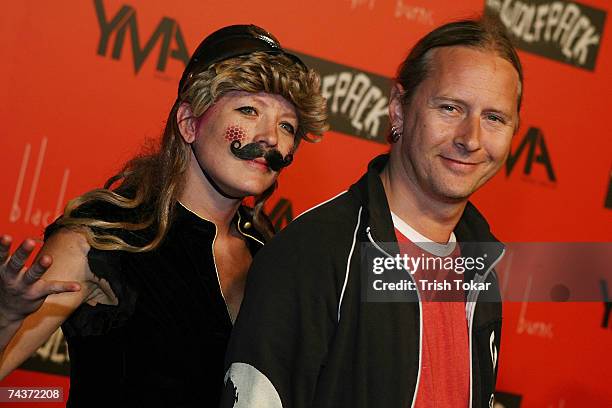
[247, 110]
[496, 118]
[449, 108]
[288, 127]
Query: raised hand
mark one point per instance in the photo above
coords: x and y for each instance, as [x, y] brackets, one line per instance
[23, 291]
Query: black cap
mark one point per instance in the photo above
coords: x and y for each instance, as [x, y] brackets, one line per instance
[232, 41]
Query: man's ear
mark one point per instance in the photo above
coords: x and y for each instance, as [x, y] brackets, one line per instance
[396, 107]
[186, 122]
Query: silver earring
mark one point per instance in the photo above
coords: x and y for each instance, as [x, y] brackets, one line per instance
[395, 134]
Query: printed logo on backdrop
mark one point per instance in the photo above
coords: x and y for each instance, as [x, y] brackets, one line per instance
[356, 3]
[120, 29]
[51, 357]
[412, 12]
[507, 400]
[28, 210]
[357, 101]
[565, 31]
[529, 326]
[533, 149]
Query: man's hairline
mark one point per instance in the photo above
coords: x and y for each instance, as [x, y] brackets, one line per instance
[427, 59]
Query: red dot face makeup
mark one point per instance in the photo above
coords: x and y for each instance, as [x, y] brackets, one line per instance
[234, 132]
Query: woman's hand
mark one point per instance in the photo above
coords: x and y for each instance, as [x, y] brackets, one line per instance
[23, 291]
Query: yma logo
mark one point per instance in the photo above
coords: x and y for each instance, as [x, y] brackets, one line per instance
[537, 153]
[113, 33]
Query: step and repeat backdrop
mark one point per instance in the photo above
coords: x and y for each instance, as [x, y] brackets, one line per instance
[86, 83]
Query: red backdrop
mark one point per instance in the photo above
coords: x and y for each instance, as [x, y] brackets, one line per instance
[72, 113]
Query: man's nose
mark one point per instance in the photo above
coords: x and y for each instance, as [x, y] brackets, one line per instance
[468, 134]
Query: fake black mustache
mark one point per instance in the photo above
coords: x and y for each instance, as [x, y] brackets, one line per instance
[255, 150]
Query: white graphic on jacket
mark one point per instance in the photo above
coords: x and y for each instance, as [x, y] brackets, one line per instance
[251, 388]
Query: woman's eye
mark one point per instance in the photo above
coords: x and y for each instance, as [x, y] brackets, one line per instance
[288, 127]
[247, 110]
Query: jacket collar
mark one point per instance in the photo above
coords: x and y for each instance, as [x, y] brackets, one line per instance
[371, 194]
[243, 220]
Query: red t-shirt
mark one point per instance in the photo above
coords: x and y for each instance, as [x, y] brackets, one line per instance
[445, 359]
